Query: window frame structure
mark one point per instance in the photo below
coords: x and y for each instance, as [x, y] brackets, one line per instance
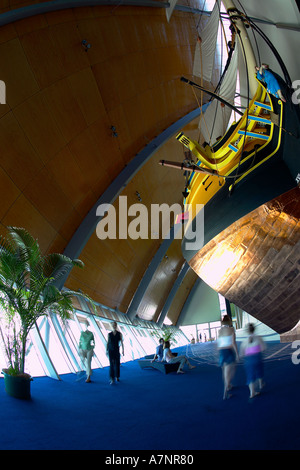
[52, 348]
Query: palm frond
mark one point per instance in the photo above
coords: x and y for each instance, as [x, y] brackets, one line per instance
[26, 242]
[28, 284]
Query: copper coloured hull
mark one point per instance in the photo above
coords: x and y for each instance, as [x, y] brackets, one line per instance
[255, 262]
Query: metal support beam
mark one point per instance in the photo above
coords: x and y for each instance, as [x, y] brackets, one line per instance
[187, 303]
[143, 285]
[172, 294]
[228, 308]
[56, 5]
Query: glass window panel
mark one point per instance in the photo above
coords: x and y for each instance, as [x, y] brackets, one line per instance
[55, 349]
[129, 347]
[138, 342]
[34, 362]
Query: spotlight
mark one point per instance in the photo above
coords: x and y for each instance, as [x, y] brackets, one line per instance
[86, 45]
[114, 131]
[138, 196]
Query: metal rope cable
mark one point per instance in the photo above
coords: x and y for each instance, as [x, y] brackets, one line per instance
[254, 26]
[247, 111]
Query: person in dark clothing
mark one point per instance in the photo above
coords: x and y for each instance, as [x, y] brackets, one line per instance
[115, 338]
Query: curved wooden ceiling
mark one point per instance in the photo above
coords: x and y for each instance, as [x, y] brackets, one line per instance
[58, 154]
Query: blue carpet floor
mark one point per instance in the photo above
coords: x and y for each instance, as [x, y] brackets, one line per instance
[151, 411]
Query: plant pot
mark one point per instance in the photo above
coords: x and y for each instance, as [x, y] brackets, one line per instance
[17, 386]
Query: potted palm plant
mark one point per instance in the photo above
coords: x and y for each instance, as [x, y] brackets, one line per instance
[28, 290]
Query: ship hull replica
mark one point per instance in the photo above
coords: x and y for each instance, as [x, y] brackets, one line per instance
[251, 212]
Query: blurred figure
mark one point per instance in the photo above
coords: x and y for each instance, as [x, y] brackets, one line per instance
[182, 360]
[228, 353]
[252, 348]
[115, 339]
[86, 350]
[159, 354]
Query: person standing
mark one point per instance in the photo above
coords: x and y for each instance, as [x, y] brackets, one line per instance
[115, 339]
[228, 353]
[86, 350]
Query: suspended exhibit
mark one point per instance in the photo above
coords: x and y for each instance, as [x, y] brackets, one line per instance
[244, 175]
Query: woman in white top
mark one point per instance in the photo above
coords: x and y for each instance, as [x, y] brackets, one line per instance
[228, 353]
[252, 348]
[169, 357]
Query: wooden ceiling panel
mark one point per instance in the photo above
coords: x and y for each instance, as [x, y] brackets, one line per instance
[118, 120]
[107, 147]
[131, 34]
[7, 32]
[100, 250]
[9, 192]
[64, 109]
[88, 200]
[43, 57]
[147, 99]
[16, 73]
[169, 61]
[135, 62]
[59, 147]
[187, 56]
[67, 43]
[89, 156]
[134, 116]
[40, 126]
[32, 23]
[152, 68]
[110, 264]
[107, 77]
[46, 195]
[108, 29]
[23, 214]
[59, 17]
[54, 52]
[86, 92]
[18, 158]
[65, 170]
[69, 226]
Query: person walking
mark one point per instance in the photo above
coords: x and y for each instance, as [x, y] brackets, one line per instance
[115, 339]
[86, 350]
[228, 353]
[251, 349]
